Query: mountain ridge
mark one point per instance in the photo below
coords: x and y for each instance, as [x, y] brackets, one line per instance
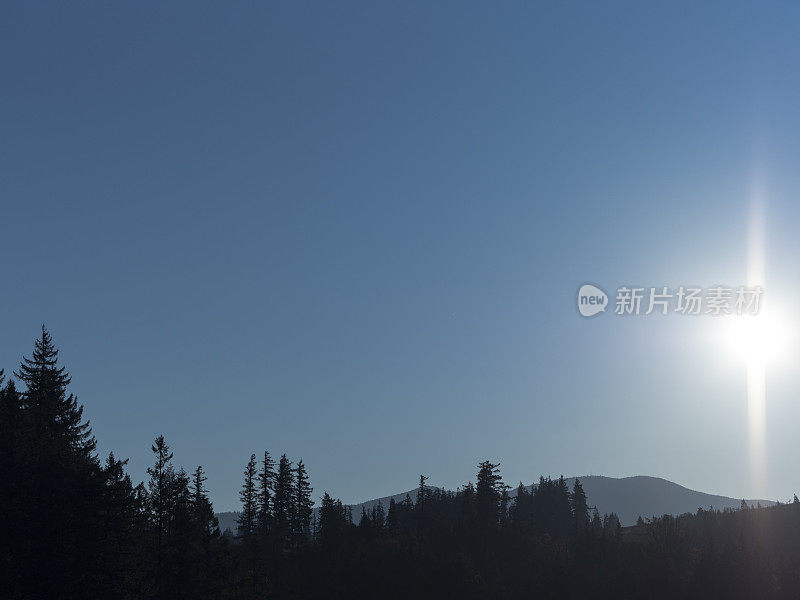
[629, 497]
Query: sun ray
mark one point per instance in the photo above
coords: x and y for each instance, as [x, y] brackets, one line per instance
[756, 343]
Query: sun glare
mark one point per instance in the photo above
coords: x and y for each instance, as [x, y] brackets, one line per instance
[761, 338]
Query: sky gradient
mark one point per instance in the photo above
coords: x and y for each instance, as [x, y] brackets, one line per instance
[354, 233]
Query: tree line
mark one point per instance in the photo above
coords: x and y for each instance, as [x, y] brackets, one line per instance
[77, 527]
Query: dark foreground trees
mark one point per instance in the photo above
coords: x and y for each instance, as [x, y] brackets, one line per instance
[76, 527]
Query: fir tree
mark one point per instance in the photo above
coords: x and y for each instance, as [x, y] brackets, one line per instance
[59, 484]
[303, 503]
[266, 490]
[247, 518]
[56, 416]
[283, 512]
[487, 494]
[580, 509]
[422, 497]
[391, 518]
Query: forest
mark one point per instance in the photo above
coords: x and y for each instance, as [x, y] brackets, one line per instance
[77, 527]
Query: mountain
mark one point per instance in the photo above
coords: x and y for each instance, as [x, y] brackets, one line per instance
[629, 497]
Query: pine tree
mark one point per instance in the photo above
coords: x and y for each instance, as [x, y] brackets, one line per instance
[11, 426]
[56, 417]
[391, 519]
[160, 498]
[467, 506]
[159, 488]
[504, 504]
[332, 521]
[378, 517]
[487, 494]
[197, 489]
[266, 491]
[203, 549]
[202, 507]
[303, 503]
[247, 518]
[121, 537]
[580, 509]
[59, 486]
[284, 501]
[422, 497]
[12, 501]
[596, 524]
[611, 526]
[182, 539]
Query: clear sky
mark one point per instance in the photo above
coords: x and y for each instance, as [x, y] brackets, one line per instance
[354, 232]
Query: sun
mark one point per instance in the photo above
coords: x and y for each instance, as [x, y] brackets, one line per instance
[757, 339]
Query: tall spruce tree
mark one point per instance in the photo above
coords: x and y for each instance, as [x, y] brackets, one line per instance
[56, 416]
[159, 488]
[332, 522]
[303, 503]
[392, 524]
[266, 491]
[161, 497]
[487, 494]
[11, 502]
[423, 493]
[283, 513]
[580, 508]
[247, 518]
[202, 507]
[59, 485]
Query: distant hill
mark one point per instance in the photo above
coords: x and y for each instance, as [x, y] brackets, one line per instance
[629, 497]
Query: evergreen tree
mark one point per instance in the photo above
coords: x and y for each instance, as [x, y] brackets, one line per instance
[160, 492]
[467, 496]
[423, 494]
[303, 503]
[120, 535]
[378, 517]
[487, 494]
[284, 501]
[247, 519]
[56, 416]
[170, 515]
[266, 490]
[391, 518]
[611, 526]
[580, 509]
[11, 436]
[332, 521]
[204, 548]
[504, 504]
[58, 484]
[202, 507]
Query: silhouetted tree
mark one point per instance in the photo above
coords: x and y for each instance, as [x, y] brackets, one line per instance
[423, 493]
[580, 509]
[266, 487]
[57, 492]
[303, 503]
[248, 518]
[284, 501]
[487, 495]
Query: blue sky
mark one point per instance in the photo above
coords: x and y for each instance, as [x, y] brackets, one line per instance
[353, 232]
